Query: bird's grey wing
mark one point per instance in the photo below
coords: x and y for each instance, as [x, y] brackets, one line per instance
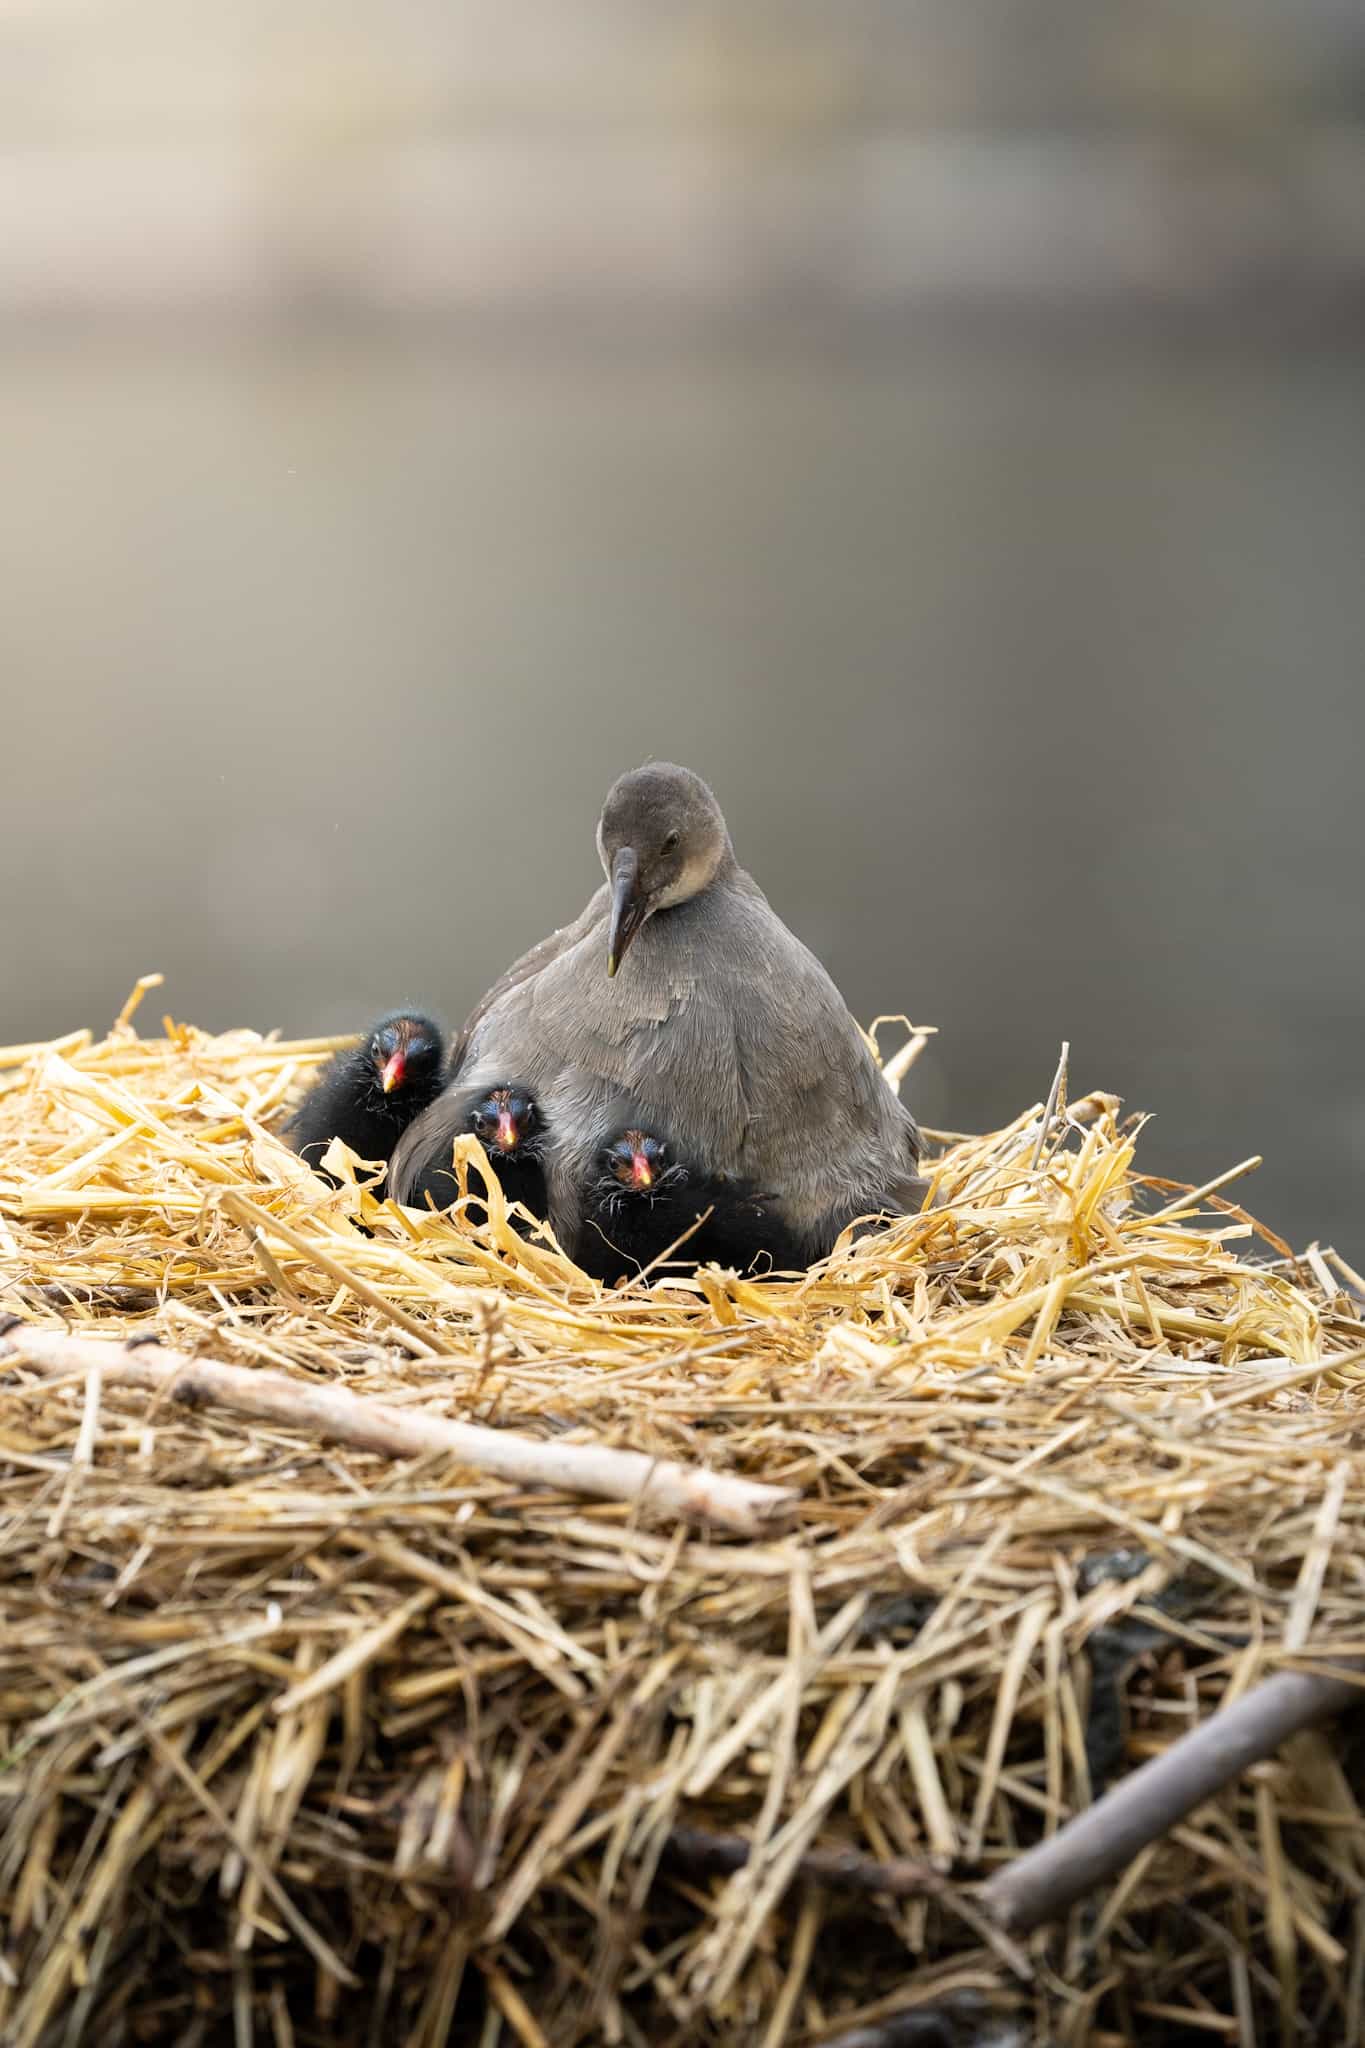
[527, 967]
[826, 1132]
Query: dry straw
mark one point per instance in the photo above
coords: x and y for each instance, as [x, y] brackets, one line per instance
[405, 1639]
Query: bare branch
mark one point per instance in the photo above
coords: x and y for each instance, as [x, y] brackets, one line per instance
[1046, 1882]
[840, 1869]
[659, 1485]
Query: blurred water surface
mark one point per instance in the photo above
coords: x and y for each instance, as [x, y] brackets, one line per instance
[1028, 673]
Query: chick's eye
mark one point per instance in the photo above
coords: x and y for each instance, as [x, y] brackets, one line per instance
[670, 844]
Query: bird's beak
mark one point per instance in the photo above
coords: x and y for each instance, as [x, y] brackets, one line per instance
[628, 906]
[641, 1172]
[507, 1131]
[395, 1066]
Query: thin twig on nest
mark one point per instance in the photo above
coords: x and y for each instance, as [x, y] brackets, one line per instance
[900, 1877]
[657, 1484]
[918, 2028]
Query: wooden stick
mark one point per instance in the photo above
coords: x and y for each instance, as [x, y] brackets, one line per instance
[919, 2026]
[1045, 1882]
[658, 1484]
[845, 1870]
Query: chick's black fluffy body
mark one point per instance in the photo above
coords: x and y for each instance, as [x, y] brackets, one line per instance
[369, 1095]
[507, 1123]
[642, 1200]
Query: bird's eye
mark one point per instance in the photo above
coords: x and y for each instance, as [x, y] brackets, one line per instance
[670, 844]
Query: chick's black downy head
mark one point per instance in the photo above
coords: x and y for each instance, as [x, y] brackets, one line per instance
[639, 1185]
[506, 1123]
[639, 1163]
[661, 841]
[405, 1053]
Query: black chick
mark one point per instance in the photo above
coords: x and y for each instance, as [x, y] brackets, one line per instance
[508, 1125]
[368, 1096]
[643, 1200]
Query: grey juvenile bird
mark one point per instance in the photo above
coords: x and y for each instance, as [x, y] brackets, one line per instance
[679, 988]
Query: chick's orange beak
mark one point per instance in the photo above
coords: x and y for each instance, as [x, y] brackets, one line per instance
[641, 1172]
[395, 1067]
[507, 1131]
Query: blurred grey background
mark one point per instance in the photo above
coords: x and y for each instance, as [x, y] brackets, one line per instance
[941, 425]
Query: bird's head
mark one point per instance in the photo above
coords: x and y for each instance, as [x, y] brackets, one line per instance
[405, 1052]
[505, 1121]
[661, 840]
[638, 1162]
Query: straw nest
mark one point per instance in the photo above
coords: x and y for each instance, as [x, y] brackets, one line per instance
[314, 1735]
